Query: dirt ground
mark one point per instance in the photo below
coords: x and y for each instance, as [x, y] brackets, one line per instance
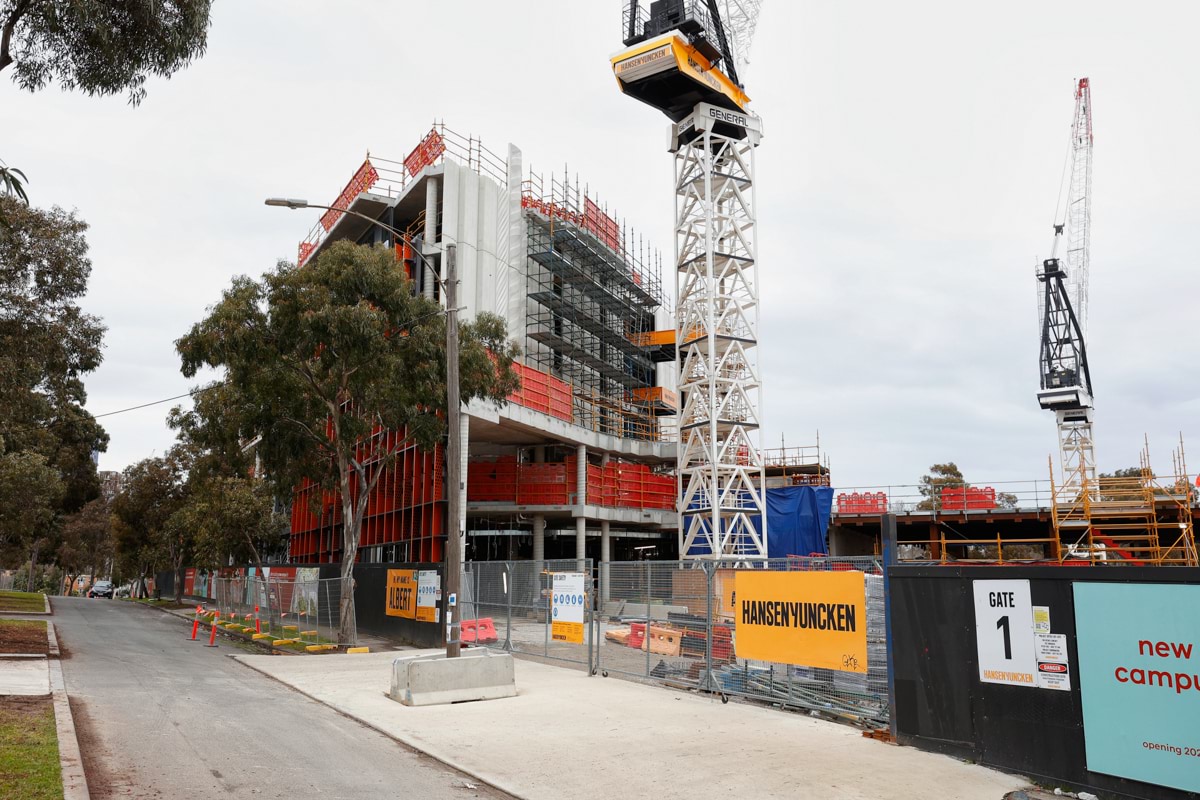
[23, 636]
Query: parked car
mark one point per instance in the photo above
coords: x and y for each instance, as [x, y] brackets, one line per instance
[101, 589]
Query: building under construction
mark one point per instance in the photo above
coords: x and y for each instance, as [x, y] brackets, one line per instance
[579, 462]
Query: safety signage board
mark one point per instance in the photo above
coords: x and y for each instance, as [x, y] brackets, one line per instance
[429, 595]
[1053, 661]
[402, 593]
[1004, 632]
[809, 619]
[567, 604]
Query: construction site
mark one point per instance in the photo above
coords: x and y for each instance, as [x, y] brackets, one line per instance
[621, 513]
[635, 431]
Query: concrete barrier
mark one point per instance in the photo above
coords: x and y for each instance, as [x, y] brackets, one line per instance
[433, 680]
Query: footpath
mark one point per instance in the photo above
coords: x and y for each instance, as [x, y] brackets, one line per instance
[566, 734]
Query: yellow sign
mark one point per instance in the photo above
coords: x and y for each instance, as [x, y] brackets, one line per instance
[402, 593]
[811, 619]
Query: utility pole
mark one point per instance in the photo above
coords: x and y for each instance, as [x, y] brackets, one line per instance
[453, 483]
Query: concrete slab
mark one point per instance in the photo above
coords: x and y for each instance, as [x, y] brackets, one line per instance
[569, 735]
[24, 676]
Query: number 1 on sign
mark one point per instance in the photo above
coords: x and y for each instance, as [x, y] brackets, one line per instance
[1003, 623]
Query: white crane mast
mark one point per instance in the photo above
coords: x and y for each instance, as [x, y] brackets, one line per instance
[1066, 384]
[682, 58]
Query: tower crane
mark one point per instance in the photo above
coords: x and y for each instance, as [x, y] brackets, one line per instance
[683, 57]
[1065, 378]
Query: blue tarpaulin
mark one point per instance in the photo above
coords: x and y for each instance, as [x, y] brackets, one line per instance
[797, 521]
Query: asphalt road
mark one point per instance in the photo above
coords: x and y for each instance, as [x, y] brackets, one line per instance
[160, 716]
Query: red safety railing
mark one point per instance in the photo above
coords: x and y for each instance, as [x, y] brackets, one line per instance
[862, 503]
[968, 498]
[618, 484]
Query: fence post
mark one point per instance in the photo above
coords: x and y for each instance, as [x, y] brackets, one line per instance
[509, 586]
[646, 631]
[888, 524]
[710, 571]
[588, 615]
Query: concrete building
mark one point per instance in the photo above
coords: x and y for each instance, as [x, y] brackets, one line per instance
[579, 462]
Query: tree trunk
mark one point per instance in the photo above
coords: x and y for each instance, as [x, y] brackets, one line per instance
[33, 555]
[347, 625]
[179, 572]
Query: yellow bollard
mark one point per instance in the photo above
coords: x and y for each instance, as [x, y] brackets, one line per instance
[358, 650]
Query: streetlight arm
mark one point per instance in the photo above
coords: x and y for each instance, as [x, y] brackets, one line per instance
[287, 202]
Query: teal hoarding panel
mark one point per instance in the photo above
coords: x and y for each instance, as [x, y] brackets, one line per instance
[1139, 675]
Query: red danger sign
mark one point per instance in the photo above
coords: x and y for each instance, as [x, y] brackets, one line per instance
[1051, 667]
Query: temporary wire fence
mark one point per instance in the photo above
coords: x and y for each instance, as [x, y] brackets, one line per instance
[672, 623]
[510, 605]
[303, 610]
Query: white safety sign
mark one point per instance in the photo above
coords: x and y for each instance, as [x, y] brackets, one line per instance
[429, 594]
[567, 606]
[1004, 638]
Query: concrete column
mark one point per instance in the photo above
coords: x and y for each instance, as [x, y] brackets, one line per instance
[431, 214]
[605, 557]
[581, 499]
[539, 537]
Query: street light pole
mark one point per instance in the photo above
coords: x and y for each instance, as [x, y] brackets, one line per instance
[452, 561]
[453, 484]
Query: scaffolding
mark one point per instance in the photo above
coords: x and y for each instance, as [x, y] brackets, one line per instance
[1141, 520]
[594, 287]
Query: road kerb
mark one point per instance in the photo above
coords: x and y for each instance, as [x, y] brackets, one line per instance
[74, 781]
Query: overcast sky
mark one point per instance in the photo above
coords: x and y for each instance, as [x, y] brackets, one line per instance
[906, 187]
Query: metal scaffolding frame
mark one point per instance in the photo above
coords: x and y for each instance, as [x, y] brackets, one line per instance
[594, 287]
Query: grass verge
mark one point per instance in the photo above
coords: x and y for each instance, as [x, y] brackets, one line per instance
[26, 636]
[29, 766]
[22, 602]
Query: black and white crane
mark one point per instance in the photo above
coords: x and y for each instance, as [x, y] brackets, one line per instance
[1066, 381]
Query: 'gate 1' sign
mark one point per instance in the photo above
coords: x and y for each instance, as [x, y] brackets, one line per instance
[1004, 632]
[566, 607]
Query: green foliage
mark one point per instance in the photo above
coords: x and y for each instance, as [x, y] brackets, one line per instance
[30, 491]
[47, 344]
[939, 477]
[12, 183]
[153, 492]
[234, 519]
[319, 359]
[87, 540]
[100, 47]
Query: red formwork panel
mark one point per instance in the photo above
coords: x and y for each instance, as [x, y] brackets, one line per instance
[406, 506]
[542, 392]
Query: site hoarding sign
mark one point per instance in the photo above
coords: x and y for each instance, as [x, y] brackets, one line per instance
[1139, 678]
[808, 619]
[402, 593]
[568, 601]
[429, 596]
[1004, 632]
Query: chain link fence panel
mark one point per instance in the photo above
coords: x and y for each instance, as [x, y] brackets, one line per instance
[509, 605]
[673, 623]
[303, 609]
